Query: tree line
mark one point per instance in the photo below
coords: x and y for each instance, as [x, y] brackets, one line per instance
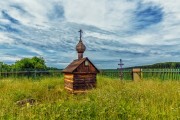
[34, 63]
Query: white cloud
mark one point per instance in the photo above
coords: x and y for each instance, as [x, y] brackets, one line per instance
[170, 26]
[4, 21]
[10, 59]
[34, 12]
[101, 36]
[105, 21]
[105, 14]
[4, 39]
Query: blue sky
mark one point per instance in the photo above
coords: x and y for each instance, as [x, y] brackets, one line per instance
[137, 31]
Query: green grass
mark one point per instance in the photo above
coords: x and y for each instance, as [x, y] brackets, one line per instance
[111, 100]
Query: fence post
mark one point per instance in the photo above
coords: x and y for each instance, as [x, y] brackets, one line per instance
[35, 74]
[137, 74]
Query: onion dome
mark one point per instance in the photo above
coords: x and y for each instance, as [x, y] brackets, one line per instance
[80, 47]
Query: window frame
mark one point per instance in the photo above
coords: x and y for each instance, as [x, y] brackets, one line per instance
[86, 63]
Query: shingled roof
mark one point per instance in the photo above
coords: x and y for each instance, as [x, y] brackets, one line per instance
[75, 64]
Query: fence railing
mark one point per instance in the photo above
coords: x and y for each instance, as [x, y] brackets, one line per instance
[31, 74]
[127, 74]
[52, 73]
[162, 74]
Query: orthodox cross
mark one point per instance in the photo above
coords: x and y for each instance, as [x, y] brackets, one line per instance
[80, 31]
[120, 69]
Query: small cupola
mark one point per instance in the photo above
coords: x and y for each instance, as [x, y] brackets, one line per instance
[80, 47]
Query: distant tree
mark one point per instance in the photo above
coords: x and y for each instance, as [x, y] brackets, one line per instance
[168, 65]
[4, 67]
[39, 63]
[53, 68]
[1, 66]
[30, 63]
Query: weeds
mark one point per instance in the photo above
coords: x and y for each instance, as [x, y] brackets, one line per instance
[112, 99]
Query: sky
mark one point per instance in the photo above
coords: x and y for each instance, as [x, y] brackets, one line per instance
[139, 32]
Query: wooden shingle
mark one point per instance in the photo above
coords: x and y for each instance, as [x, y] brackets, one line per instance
[75, 64]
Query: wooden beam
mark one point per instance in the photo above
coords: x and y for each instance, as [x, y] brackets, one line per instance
[68, 80]
[68, 76]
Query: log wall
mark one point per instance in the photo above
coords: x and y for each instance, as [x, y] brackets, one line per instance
[68, 81]
[79, 82]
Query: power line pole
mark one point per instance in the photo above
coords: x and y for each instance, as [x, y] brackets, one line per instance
[121, 69]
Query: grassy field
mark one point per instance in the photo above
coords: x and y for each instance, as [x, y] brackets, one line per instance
[111, 100]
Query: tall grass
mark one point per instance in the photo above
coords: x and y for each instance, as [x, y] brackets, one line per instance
[112, 99]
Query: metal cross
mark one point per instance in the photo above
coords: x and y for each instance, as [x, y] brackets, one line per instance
[121, 69]
[80, 31]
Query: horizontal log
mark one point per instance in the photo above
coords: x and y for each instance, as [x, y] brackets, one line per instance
[83, 82]
[69, 89]
[79, 83]
[68, 80]
[68, 76]
[76, 80]
[84, 79]
[85, 76]
[84, 86]
[85, 73]
[87, 82]
[75, 91]
[68, 85]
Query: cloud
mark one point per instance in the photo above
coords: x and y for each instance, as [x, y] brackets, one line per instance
[5, 40]
[102, 13]
[8, 17]
[56, 12]
[139, 32]
[147, 15]
[31, 13]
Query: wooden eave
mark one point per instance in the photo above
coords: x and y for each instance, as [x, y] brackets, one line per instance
[75, 64]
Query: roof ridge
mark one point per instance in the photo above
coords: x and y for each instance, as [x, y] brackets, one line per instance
[73, 65]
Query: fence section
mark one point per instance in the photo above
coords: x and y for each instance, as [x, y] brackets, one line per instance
[127, 74]
[31, 74]
[162, 74]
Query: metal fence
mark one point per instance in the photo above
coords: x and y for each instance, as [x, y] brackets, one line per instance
[162, 74]
[58, 73]
[127, 74]
[31, 74]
